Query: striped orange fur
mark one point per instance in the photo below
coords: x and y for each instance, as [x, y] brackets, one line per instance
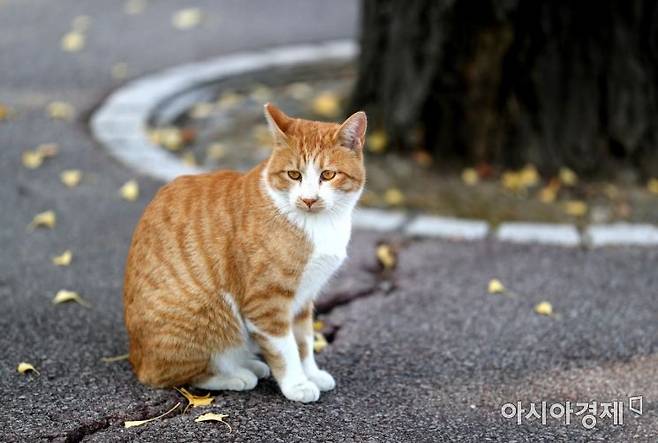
[220, 264]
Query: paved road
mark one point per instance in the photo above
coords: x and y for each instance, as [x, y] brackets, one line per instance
[431, 359]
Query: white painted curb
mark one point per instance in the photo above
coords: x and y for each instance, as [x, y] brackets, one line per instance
[120, 125]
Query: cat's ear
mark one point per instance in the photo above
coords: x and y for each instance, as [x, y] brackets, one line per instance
[352, 132]
[278, 122]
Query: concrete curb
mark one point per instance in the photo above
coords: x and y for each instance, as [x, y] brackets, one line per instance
[120, 125]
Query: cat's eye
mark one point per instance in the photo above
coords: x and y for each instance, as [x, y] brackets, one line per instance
[295, 175]
[328, 175]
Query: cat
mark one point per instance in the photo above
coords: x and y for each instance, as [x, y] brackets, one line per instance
[224, 266]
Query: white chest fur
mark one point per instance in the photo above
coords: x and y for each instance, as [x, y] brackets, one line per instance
[329, 237]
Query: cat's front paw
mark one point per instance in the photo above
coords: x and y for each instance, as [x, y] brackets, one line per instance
[305, 391]
[322, 379]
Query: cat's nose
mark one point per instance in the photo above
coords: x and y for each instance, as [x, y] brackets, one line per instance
[309, 201]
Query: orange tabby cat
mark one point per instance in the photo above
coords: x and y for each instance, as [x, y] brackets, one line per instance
[224, 266]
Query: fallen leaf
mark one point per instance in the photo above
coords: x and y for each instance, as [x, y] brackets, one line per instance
[5, 112]
[61, 110]
[71, 177]
[81, 23]
[24, 367]
[495, 286]
[134, 7]
[548, 193]
[319, 342]
[115, 358]
[73, 41]
[423, 158]
[202, 110]
[377, 141]
[652, 185]
[189, 159]
[575, 208]
[470, 177]
[512, 181]
[529, 176]
[393, 197]
[130, 190]
[169, 137]
[186, 18]
[32, 159]
[544, 308]
[567, 176]
[262, 135]
[46, 219]
[318, 325]
[134, 423]
[64, 296]
[261, 93]
[212, 416]
[64, 259]
[119, 71]
[326, 105]
[216, 151]
[300, 90]
[386, 256]
[229, 99]
[195, 400]
[48, 150]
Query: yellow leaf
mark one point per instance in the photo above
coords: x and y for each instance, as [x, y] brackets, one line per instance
[64, 296]
[575, 208]
[300, 90]
[495, 286]
[229, 99]
[652, 185]
[61, 111]
[544, 308]
[64, 259]
[119, 71]
[195, 400]
[134, 423]
[567, 176]
[319, 342]
[81, 23]
[186, 18]
[212, 416]
[512, 181]
[189, 159]
[394, 197]
[71, 177]
[548, 193]
[529, 176]
[386, 256]
[24, 367]
[73, 41]
[318, 325]
[32, 159]
[326, 105]
[262, 135]
[130, 190]
[216, 151]
[377, 141]
[5, 112]
[170, 138]
[202, 110]
[115, 358]
[134, 7]
[46, 219]
[470, 177]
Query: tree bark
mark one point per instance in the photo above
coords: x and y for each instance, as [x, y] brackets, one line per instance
[553, 83]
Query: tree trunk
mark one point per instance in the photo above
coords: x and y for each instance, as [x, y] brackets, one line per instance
[507, 82]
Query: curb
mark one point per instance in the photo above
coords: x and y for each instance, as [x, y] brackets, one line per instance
[121, 122]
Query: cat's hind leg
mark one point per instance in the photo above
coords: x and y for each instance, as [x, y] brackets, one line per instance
[232, 369]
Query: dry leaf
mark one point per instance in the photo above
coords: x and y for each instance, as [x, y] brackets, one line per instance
[229, 100]
[575, 208]
[202, 110]
[129, 191]
[393, 197]
[186, 18]
[512, 181]
[195, 400]
[134, 7]
[262, 135]
[319, 342]
[119, 71]
[216, 151]
[32, 159]
[189, 159]
[24, 367]
[134, 423]
[115, 358]
[212, 416]
[386, 256]
[423, 158]
[529, 176]
[470, 177]
[170, 138]
[548, 193]
[377, 141]
[5, 112]
[64, 296]
[73, 41]
[46, 219]
[544, 308]
[652, 185]
[61, 111]
[261, 93]
[326, 105]
[81, 23]
[64, 259]
[495, 286]
[300, 91]
[318, 325]
[71, 177]
[567, 176]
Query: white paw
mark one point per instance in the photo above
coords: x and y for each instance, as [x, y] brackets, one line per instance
[304, 391]
[322, 379]
[258, 367]
[241, 380]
